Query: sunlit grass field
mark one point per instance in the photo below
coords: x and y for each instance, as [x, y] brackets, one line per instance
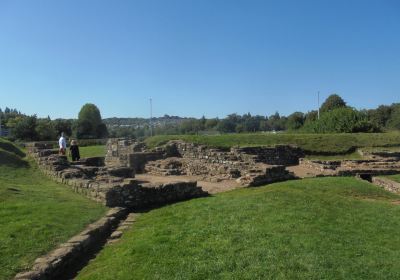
[36, 214]
[325, 228]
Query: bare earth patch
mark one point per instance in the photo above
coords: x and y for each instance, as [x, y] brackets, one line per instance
[210, 187]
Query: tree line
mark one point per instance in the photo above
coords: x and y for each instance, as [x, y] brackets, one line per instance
[334, 116]
[89, 125]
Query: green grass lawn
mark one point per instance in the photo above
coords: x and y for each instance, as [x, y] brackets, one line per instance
[324, 228]
[394, 177]
[36, 213]
[312, 143]
[91, 151]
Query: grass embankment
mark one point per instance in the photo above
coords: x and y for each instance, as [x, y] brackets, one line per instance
[328, 144]
[36, 213]
[325, 228]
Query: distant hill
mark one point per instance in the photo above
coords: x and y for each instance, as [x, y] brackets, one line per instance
[143, 122]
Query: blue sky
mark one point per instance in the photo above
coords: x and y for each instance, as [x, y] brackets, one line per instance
[196, 57]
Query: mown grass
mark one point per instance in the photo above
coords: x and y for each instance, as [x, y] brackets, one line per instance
[91, 151]
[325, 228]
[36, 213]
[312, 143]
[395, 178]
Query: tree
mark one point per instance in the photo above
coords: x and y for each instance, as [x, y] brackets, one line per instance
[342, 120]
[295, 121]
[211, 123]
[90, 124]
[25, 128]
[394, 121]
[61, 126]
[334, 101]
[45, 130]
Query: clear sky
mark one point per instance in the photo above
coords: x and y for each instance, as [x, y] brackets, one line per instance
[195, 57]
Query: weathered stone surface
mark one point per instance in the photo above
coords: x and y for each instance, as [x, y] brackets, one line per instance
[353, 167]
[110, 185]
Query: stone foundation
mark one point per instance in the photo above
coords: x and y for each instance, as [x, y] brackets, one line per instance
[353, 167]
[249, 166]
[113, 186]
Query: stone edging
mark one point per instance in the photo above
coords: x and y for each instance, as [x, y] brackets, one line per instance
[387, 184]
[58, 262]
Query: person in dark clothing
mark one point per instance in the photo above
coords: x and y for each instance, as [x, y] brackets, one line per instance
[74, 150]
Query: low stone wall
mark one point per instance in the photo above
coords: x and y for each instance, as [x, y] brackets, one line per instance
[279, 155]
[379, 154]
[353, 167]
[112, 186]
[59, 262]
[387, 184]
[320, 165]
[182, 158]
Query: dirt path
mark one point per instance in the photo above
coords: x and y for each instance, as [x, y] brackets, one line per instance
[207, 186]
[303, 172]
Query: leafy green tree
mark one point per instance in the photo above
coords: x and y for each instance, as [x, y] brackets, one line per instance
[25, 129]
[381, 115]
[295, 121]
[227, 125]
[211, 123]
[45, 130]
[333, 102]
[394, 121]
[342, 120]
[90, 124]
[63, 126]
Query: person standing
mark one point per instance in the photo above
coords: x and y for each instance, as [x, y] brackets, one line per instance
[74, 151]
[62, 143]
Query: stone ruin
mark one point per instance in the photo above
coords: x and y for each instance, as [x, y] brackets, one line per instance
[252, 166]
[129, 175]
[373, 167]
[114, 186]
[112, 180]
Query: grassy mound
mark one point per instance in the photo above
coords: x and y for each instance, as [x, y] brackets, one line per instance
[312, 143]
[36, 213]
[11, 159]
[325, 228]
[10, 147]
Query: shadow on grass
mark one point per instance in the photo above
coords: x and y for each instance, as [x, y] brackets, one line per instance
[11, 160]
[9, 147]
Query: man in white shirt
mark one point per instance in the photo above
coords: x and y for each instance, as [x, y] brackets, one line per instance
[62, 143]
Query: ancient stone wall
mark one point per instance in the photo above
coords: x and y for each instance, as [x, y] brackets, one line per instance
[60, 261]
[128, 153]
[113, 186]
[249, 166]
[353, 167]
[279, 155]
